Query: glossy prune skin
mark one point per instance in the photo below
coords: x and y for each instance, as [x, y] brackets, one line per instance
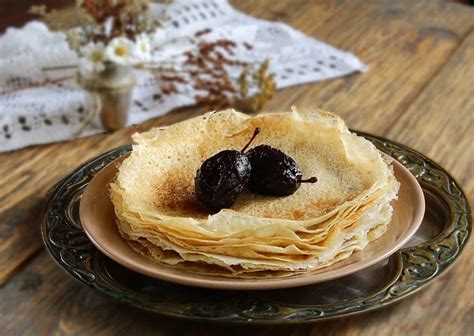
[221, 179]
[273, 172]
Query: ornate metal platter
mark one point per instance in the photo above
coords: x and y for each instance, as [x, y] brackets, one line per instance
[437, 244]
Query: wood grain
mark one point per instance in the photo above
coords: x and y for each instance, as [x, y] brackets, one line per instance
[418, 90]
[15, 12]
[392, 40]
[395, 39]
[444, 113]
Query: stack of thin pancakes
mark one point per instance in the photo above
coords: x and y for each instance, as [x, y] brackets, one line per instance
[259, 236]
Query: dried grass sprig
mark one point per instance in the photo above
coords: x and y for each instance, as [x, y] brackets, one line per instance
[208, 69]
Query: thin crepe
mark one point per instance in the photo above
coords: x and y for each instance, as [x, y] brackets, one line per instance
[321, 223]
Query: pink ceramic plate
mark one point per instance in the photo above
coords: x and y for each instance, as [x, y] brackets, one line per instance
[98, 220]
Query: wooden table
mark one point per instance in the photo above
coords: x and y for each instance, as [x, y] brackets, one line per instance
[419, 90]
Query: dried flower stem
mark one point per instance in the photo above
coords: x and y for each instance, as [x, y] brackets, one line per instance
[207, 70]
[60, 67]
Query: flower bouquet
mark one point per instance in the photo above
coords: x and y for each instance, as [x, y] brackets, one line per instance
[115, 36]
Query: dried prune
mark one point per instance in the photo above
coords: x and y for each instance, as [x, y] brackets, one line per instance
[273, 172]
[221, 178]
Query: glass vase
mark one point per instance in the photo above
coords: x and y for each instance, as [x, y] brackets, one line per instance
[111, 93]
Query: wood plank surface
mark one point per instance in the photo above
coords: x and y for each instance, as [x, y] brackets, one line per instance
[418, 91]
[439, 123]
[393, 40]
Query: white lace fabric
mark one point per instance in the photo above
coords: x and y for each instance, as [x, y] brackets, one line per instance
[56, 111]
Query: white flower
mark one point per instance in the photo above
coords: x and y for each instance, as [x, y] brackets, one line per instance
[93, 57]
[143, 48]
[120, 51]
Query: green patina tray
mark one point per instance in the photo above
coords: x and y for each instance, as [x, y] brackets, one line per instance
[438, 243]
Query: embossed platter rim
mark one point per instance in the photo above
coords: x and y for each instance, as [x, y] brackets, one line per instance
[413, 267]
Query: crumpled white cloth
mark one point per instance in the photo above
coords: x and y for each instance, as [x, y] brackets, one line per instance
[54, 112]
